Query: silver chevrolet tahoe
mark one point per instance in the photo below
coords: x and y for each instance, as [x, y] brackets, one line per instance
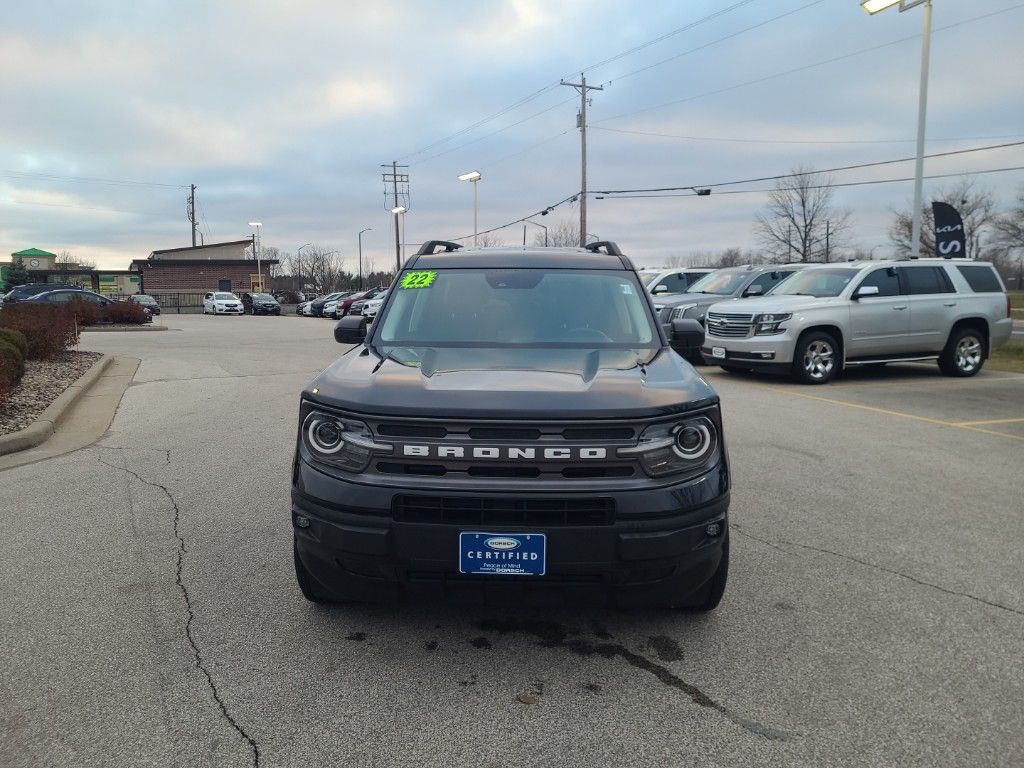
[835, 316]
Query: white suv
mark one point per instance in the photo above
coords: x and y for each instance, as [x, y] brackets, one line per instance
[835, 316]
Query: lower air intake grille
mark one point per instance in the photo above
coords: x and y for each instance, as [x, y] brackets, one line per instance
[499, 511]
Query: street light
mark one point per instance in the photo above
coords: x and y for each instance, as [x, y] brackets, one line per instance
[298, 261]
[473, 176]
[256, 244]
[360, 238]
[398, 210]
[537, 224]
[873, 7]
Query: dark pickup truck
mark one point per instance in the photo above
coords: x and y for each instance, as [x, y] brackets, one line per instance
[514, 427]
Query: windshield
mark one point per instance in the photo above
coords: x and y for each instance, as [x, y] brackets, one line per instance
[816, 282]
[143, 299]
[719, 283]
[225, 297]
[648, 277]
[518, 309]
[263, 297]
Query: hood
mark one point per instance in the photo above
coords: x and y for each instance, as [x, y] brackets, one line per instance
[361, 382]
[700, 299]
[772, 304]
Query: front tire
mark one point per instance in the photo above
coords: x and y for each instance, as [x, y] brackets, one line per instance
[964, 354]
[816, 358]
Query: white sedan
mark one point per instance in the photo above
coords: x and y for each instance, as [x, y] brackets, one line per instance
[372, 307]
[221, 303]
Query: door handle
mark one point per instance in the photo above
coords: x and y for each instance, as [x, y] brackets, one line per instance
[900, 308]
[950, 305]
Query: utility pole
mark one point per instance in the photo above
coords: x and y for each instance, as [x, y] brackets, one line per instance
[581, 119]
[398, 203]
[192, 213]
[828, 231]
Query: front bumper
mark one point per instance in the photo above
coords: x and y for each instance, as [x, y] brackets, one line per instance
[229, 310]
[656, 549]
[767, 352]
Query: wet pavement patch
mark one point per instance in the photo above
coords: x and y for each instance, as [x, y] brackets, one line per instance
[357, 636]
[480, 642]
[666, 648]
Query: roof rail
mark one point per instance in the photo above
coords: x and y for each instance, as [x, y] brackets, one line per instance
[431, 246]
[609, 247]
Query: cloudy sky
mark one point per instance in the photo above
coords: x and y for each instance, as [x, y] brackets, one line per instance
[283, 111]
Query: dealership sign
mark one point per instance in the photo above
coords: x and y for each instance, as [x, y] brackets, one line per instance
[950, 237]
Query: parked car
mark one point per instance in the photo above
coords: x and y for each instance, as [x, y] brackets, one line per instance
[317, 305]
[307, 309]
[664, 282]
[146, 301]
[222, 303]
[65, 295]
[300, 307]
[263, 304]
[516, 415]
[372, 306]
[732, 282]
[837, 316]
[27, 291]
[345, 306]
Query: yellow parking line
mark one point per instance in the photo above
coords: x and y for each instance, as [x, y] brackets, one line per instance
[988, 421]
[900, 414]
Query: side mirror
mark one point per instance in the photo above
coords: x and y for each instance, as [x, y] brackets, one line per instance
[754, 290]
[865, 290]
[351, 329]
[687, 332]
[659, 288]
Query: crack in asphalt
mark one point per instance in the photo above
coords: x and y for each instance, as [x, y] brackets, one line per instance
[553, 635]
[196, 653]
[883, 569]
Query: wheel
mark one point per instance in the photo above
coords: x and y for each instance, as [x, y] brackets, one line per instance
[814, 360]
[733, 369]
[310, 589]
[710, 595]
[964, 353]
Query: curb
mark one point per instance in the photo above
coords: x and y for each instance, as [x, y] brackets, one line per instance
[43, 427]
[122, 329]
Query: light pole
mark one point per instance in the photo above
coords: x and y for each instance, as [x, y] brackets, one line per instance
[256, 247]
[473, 176]
[542, 226]
[360, 238]
[873, 7]
[298, 262]
[398, 210]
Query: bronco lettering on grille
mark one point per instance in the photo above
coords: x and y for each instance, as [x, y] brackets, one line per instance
[506, 453]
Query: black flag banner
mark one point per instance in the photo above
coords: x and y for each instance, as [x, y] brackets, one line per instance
[950, 238]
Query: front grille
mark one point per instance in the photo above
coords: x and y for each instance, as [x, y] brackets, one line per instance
[487, 511]
[503, 511]
[506, 471]
[729, 326]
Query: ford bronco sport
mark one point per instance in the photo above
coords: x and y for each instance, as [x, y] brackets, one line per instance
[513, 427]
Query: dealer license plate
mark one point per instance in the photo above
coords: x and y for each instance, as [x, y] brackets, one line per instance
[718, 352]
[505, 554]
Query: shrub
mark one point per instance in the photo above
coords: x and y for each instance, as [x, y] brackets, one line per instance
[12, 367]
[125, 312]
[86, 312]
[49, 329]
[16, 339]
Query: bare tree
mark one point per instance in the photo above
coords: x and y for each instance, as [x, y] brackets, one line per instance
[565, 233]
[323, 268]
[65, 262]
[976, 205]
[1007, 242]
[489, 240]
[801, 223]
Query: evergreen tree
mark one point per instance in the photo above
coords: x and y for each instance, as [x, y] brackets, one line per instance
[17, 274]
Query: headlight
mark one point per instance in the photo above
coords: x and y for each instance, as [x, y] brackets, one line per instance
[679, 312]
[765, 325]
[342, 442]
[688, 446]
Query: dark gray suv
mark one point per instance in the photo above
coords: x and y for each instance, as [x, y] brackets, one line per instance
[721, 285]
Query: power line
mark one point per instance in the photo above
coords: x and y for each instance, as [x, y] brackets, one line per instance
[794, 70]
[83, 207]
[797, 141]
[824, 170]
[552, 86]
[525, 150]
[87, 180]
[837, 184]
[541, 212]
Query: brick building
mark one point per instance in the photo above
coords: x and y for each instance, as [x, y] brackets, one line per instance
[214, 267]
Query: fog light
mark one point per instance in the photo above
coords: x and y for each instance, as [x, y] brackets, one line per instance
[713, 529]
[302, 522]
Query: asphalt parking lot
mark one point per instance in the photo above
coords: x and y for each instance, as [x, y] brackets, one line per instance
[874, 614]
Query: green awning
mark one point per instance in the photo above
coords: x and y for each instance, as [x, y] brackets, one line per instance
[33, 252]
